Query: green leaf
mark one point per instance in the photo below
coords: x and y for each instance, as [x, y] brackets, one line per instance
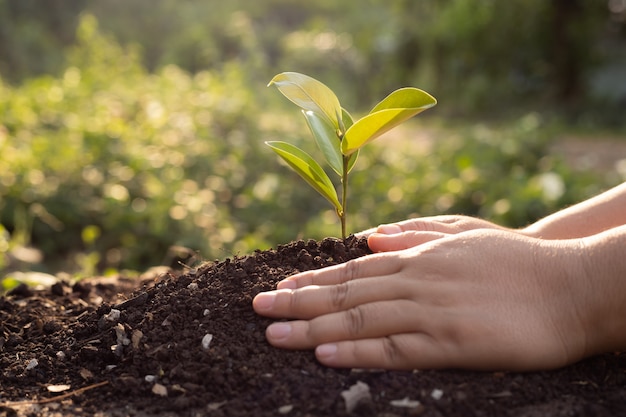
[348, 122]
[310, 95]
[406, 98]
[395, 109]
[308, 169]
[353, 157]
[327, 140]
[347, 119]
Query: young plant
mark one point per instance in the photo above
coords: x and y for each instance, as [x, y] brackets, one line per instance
[337, 135]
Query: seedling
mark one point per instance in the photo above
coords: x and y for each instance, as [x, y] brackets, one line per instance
[337, 135]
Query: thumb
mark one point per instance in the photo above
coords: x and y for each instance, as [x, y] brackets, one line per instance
[379, 242]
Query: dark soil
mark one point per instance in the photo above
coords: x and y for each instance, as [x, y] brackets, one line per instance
[117, 348]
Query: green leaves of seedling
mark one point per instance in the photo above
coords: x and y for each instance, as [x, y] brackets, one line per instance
[328, 141]
[310, 95]
[394, 110]
[308, 169]
[336, 134]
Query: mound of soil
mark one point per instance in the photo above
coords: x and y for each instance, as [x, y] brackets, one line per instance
[189, 344]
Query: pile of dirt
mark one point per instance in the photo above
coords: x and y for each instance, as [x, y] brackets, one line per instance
[189, 344]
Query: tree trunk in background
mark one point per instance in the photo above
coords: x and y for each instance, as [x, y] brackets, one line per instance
[566, 50]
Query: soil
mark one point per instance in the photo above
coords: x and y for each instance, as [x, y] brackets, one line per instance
[188, 343]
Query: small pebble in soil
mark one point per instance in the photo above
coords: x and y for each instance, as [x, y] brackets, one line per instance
[113, 316]
[122, 340]
[405, 403]
[120, 334]
[166, 321]
[136, 338]
[159, 389]
[285, 409]
[32, 364]
[58, 388]
[215, 405]
[357, 393]
[206, 341]
[85, 374]
[436, 394]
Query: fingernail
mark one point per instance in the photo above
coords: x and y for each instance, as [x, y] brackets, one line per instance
[389, 229]
[265, 300]
[286, 284]
[327, 351]
[277, 331]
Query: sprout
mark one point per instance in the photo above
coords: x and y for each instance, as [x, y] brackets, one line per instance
[337, 135]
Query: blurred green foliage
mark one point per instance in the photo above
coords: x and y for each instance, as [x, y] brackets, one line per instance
[109, 157]
[108, 162]
[473, 55]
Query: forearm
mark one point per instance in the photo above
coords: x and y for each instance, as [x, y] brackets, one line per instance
[600, 213]
[604, 263]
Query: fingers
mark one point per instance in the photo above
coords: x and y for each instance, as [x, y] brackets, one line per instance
[400, 351]
[364, 267]
[407, 351]
[365, 321]
[383, 344]
[449, 224]
[379, 242]
[441, 224]
[313, 300]
[426, 224]
[367, 266]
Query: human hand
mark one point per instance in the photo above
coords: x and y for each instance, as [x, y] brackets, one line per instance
[415, 230]
[481, 299]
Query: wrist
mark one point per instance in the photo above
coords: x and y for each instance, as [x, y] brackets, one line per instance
[602, 265]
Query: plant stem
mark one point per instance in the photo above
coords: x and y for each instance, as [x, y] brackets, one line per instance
[344, 195]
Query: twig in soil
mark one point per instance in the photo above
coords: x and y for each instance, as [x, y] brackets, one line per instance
[54, 399]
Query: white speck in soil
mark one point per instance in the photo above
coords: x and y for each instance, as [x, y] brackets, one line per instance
[86, 373]
[117, 350]
[355, 394]
[159, 389]
[113, 316]
[206, 341]
[136, 338]
[120, 334]
[436, 394]
[58, 388]
[32, 364]
[405, 403]
[216, 405]
[167, 321]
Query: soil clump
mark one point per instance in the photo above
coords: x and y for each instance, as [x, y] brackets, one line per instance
[189, 344]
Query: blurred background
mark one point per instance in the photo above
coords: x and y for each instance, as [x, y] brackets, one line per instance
[131, 133]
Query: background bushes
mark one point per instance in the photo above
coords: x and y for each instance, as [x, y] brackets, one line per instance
[475, 54]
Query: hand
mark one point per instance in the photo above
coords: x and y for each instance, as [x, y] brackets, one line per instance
[480, 299]
[415, 230]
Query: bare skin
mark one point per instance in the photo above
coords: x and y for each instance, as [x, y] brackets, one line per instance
[458, 292]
